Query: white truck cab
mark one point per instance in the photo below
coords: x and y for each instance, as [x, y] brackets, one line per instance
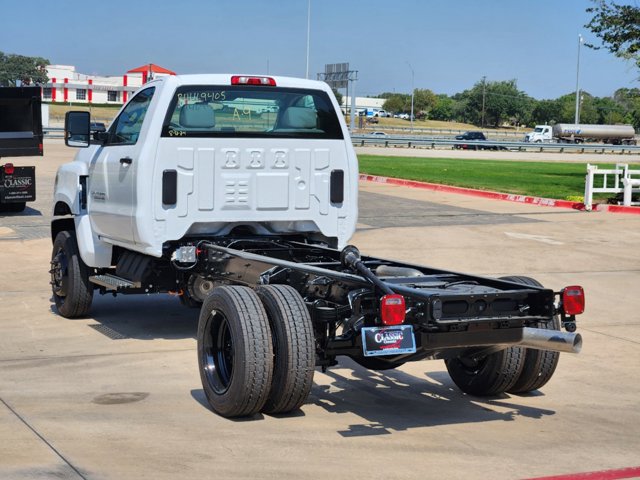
[202, 155]
[540, 134]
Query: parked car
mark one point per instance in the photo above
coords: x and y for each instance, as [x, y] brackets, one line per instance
[381, 113]
[473, 136]
[379, 134]
[97, 127]
[372, 120]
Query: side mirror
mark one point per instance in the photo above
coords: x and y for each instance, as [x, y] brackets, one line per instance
[76, 129]
[101, 137]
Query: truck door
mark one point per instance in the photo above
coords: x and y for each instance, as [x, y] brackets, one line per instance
[112, 201]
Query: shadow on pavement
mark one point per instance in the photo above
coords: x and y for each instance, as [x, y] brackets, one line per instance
[142, 317]
[27, 212]
[394, 401]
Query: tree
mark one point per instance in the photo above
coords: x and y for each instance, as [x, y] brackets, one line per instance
[502, 101]
[588, 111]
[618, 27]
[609, 111]
[423, 101]
[629, 100]
[444, 108]
[546, 112]
[339, 97]
[27, 70]
[397, 102]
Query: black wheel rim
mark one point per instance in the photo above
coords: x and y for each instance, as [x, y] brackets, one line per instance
[59, 273]
[472, 365]
[218, 353]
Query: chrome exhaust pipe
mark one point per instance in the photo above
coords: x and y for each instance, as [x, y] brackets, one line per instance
[554, 340]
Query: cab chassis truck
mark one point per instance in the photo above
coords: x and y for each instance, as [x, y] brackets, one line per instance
[246, 216]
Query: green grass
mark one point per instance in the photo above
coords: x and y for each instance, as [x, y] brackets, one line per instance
[542, 179]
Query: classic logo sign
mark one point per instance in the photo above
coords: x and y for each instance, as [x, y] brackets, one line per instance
[388, 340]
[16, 182]
[18, 186]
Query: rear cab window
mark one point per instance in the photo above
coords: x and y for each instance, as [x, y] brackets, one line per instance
[251, 112]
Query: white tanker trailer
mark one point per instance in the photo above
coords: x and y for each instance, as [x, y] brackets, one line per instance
[572, 133]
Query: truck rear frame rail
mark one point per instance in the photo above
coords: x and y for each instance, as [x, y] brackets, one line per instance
[449, 312]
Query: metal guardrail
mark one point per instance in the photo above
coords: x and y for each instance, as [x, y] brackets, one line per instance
[440, 142]
[444, 131]
[53, 132]
[434, 142]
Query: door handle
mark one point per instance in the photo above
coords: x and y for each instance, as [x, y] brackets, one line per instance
[126, 161]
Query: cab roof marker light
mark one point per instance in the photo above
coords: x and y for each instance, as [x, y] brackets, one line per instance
[247, 80]
[573, 300]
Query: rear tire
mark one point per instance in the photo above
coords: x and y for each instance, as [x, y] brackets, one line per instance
[235, 353]
[72, 291]
[487, 376]
[539, 365]
[293, 347]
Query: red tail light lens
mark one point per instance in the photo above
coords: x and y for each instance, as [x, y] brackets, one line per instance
[392, 309]
[8, 168]
[243, 80]
[573, 300]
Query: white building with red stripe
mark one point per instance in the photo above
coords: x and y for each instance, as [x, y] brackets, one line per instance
[68, 86]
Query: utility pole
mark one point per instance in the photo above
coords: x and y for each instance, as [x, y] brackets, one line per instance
[577, 117]
[412, 93]
[484, 93]
[308, 34]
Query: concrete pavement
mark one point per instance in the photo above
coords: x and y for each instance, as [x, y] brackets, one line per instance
[117, 395]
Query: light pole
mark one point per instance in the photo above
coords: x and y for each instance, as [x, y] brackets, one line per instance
[484, 93]
[412, 92]
[308, 34]
[577, 118]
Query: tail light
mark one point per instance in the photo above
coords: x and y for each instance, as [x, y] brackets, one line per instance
[392, 309]
[8, 168]
[573, 300]
[244, 80]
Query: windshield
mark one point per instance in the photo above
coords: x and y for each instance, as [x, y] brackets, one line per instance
[248, 111]
[538, 130]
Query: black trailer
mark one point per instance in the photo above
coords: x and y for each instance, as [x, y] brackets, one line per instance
[20, 135]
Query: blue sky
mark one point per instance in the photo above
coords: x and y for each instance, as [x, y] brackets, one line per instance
[450, 44]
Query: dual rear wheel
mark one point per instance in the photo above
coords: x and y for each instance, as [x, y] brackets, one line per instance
[513, 370]
[256, 350]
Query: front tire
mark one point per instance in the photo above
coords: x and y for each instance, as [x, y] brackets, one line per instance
[293, 347]
[235, 352]
[490, 375]
[539, 365]
[72, 291]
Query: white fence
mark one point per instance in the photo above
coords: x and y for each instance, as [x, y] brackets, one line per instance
[620, 179]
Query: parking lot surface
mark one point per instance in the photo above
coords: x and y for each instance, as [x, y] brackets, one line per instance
[117, 395]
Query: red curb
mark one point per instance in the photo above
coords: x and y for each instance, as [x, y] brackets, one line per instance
[632, 472]
[510, 197]
[617, 209]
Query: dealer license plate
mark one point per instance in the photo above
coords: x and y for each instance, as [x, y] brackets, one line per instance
[398, 339]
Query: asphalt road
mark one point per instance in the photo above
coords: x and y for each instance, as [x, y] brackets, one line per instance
[117, 395]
